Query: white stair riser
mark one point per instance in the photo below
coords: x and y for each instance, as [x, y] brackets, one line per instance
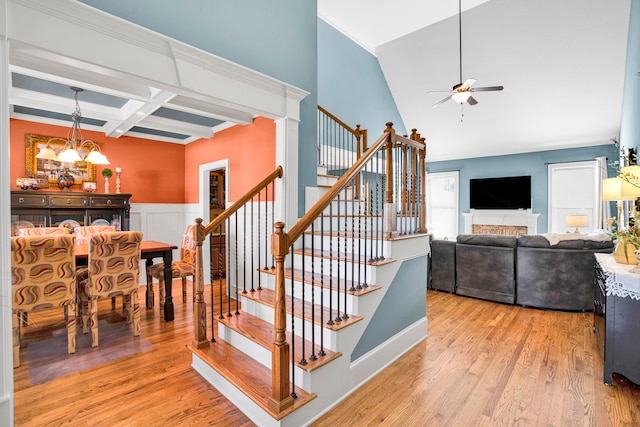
[259, 353]
[265, 313]
[324, 179]
[335, 268]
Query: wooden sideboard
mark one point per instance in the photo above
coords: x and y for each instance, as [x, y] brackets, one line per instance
[617, 318]
[65, 208]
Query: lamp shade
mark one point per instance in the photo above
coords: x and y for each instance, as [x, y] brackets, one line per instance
[615, 189]
[577, 220]
[461, 97]
[47, 153]
[631, 176]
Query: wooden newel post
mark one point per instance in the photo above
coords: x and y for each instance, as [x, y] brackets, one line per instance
[423, 188]
[199, 306]
[391, 136]
[280, 387]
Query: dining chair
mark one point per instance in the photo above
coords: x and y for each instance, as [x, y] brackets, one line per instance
[113, 269]
[82, 233]
[42, 231]
[82, 238]
[43, 275]
[184, 268]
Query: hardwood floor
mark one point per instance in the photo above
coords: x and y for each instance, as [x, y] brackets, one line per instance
[483, 364]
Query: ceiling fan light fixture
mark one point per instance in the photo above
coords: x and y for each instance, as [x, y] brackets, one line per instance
[461, 97]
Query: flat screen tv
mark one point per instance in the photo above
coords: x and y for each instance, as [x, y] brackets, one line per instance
[512, 192]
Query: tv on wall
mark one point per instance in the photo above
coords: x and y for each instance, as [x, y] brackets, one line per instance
[512, 192]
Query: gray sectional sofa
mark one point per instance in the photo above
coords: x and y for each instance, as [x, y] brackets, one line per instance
[525, 270]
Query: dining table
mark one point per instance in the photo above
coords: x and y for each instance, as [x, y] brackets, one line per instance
[149, 249]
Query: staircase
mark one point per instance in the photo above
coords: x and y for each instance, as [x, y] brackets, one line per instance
[348, 301]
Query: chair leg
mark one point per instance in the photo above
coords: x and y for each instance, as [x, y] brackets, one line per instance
[163, 293]
[16, 319]
[93, 318]
[150, 296]
[71, 327]
[184, 290]
[136, 313]
[86, 323]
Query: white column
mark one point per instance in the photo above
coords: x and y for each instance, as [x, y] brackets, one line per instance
[6, 345]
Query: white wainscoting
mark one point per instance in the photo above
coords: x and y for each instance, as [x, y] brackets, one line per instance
[165, 222]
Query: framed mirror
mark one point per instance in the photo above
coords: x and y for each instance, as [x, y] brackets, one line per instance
[81, 171]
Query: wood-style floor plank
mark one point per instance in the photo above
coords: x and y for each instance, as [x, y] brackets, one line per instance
[483, 364]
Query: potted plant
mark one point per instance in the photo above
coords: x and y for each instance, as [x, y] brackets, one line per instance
[106, 173]
[627, 239]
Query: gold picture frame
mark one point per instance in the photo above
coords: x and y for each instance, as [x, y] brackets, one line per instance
[81, 171]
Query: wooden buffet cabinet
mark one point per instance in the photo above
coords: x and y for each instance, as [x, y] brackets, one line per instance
[65, 208]
[616, 320]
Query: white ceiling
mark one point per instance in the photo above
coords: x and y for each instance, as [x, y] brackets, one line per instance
[561, 64]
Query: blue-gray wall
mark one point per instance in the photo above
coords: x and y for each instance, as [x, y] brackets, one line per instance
[277, 38]
[533, 164]
[630, 119]
[351, 84]
[404, 303]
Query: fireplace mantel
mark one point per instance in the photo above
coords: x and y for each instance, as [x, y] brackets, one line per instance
[521, 217]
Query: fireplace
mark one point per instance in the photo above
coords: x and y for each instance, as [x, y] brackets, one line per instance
[501, 221]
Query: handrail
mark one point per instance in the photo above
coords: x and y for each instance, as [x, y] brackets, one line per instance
[340, 122]
[342, 183]
[220, 219]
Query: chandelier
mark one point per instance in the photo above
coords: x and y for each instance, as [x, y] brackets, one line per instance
[75, 143]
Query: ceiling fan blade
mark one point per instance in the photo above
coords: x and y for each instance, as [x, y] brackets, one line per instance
[472, 101]
[467, 84]
[486, 88]
[441, 101]
[438, 91]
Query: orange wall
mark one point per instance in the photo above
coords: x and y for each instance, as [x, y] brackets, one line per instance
[251, 152]
[162, 172]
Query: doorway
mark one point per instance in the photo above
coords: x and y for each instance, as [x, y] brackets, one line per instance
[217, 205]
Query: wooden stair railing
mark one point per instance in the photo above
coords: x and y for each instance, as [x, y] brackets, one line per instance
[201, 232]
[339, 144]
[412, 188]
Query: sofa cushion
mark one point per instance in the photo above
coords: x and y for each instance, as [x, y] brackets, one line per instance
[488, 240]
[540, 241]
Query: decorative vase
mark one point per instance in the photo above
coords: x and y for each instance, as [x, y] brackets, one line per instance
[65, 180]
[620, 257]
[106, 184]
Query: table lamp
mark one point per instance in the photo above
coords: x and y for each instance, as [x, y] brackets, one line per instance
[617, 189]
[576, 221]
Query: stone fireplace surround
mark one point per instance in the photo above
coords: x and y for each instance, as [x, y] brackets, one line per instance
[500, 221]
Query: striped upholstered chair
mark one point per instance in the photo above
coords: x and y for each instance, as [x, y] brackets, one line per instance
[82, 233]
[184, 268]
[42, 231]
[113, 269]
[43, 273]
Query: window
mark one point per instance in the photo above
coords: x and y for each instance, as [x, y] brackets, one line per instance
[442, 204]
[574, 189]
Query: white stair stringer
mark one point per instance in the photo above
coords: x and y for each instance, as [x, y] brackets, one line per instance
[336, 380]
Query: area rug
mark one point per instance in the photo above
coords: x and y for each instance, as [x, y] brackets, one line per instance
[48, 359]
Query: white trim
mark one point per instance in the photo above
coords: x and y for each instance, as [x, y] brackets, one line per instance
[6, 344]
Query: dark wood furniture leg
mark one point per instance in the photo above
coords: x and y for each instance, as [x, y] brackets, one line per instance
[168, 279]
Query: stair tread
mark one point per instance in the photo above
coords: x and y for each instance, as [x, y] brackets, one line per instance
[267, 297]
[341, 257]
[325, 280]
[262, 333]
[248, 375]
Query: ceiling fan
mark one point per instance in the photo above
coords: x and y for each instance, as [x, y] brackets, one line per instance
[461, 92]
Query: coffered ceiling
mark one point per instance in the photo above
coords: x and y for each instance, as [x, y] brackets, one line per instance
[146, 112]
